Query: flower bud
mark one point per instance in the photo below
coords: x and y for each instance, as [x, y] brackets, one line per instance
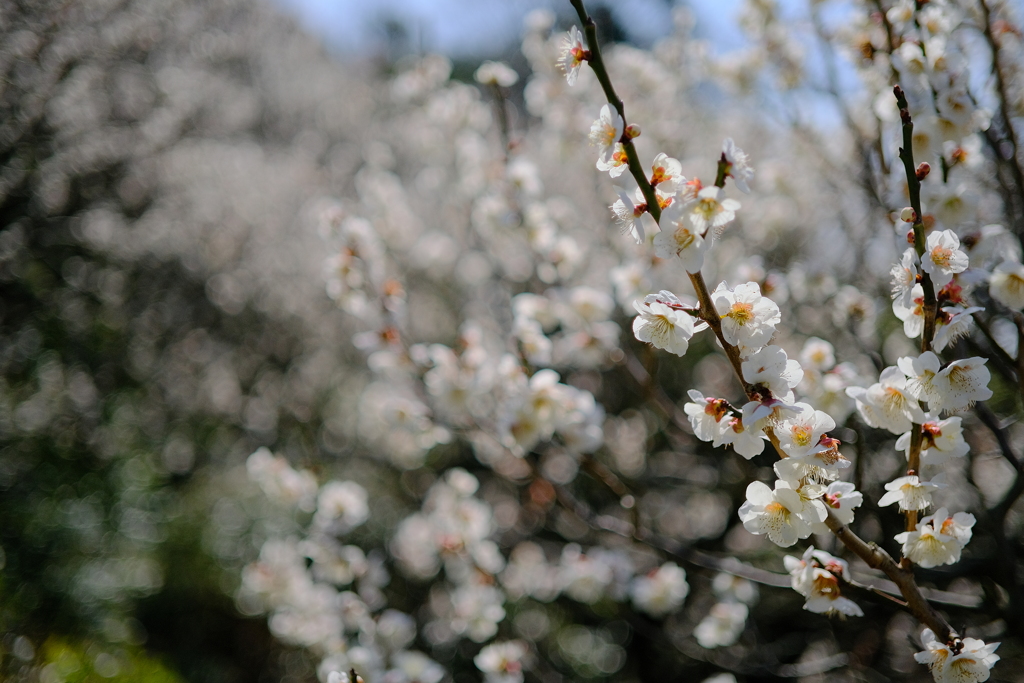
[632, 131]
[923, 169]
[908, 215]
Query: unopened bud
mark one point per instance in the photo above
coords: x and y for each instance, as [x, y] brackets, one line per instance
[923, 169]
[910, 236]
[632, 131]
[908, 215]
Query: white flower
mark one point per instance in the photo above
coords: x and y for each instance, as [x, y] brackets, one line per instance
[952, 323]
[748, 319]
[910, 309]
[1007, 284]
[663, 323]
[943, 439]
[711, 211]
[904, 277]
[572, 56]
[818, 355]
[341, 506]
[746, 442]
[606, 131]
[800, 434]
[964, 661]
[825, 597]
[888, 404]
[842, 498]
[628, 213]
[502, 662]
[706, 415]
[660, 592]
[921, 372]
[496, 73]
[938, 538]
[737, 165]
[722, 626]
[942, 257]
[679, 238]
[280, 482]
[822, 465]
[616, 164]
[779, 513]
[770, 367]
[910, 492]
[667, 174]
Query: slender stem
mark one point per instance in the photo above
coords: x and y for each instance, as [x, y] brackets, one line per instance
[871, 554]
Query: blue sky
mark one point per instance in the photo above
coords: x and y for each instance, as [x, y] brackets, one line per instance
[485, 27]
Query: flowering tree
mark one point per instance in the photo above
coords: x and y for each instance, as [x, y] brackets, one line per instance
[552, 510]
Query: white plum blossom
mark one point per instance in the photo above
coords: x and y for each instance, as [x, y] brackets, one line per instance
[910, 309]
[678, 238]
[941, 440]
[573, 54]
[661, 591]
[341, 506]
[951, 323]
[964, 661]
[496, 73]
[938, 539]
[748, 442]
[818, 355]
[606, 131]
[710, 211]
[616, 164]
[943, 258]
[706, 415]
[910, 492]
[888, 404]
[663, 323]
[502, 662]
[1006, 285]
[737, 165]
[904, 277]
[800, 433]
[771, 367]
[722, 626]
[957, 386]
[816, 577]
[842, 498]
[748, 319]
[666, 175]
[628, 213]
[280, 481]
[782, 513]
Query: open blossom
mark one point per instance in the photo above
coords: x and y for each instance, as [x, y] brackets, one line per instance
[722, 626]
[496, 73]
[771, 368]
[711, 211]
[842, 498]
[341, 506]
[748, 319]
[957, 386]
[680, 239]
[818, 355]
[964, 661]
[816, 577]
[617, 163]
[666, 174]
[942, 439]
[942, 257]
[606, 131]
[706, 415]
[782, 514]
[938, 538]
[629, 213]
[800, 434]
[910, 309]
[951, 323]
[1007, 284]
[747, 441]
[737, 165]
[888, 404]
[904, 277]
[663, 323]
[660, 592]
[573, 54]
[910, 492]
[502, 662]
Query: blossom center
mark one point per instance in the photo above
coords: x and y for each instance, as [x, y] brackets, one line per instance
[741, 312]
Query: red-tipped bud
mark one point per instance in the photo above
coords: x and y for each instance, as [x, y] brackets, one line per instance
[910, 236]
[908, 215]
[923, 169]
[632, 131]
